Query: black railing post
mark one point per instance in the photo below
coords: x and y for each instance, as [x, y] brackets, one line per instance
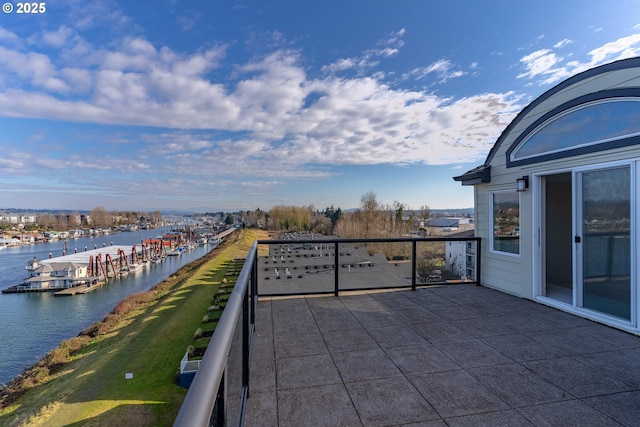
[246, 351]
[253, 288]
[218, 416]
[336, 267]
[414, 264]
[478, 260]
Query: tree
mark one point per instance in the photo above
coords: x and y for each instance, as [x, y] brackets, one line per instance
[333, 214]
[100, 217]
[425, 213]
[370, 212]
[157, 218]
[398, 209]
[293, 218]
[46, 221]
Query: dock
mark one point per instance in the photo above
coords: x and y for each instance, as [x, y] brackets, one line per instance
[80, 272]
[78, 290]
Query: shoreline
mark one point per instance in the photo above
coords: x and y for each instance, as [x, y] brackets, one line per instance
[13, 390]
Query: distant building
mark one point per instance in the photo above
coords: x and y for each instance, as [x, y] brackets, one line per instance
[460, 257]
[4, 242]
[452, 223]
[17, 219]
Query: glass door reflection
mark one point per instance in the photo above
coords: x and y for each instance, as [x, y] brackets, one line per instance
[605, 226]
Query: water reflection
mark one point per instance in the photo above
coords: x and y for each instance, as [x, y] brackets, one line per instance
[35, 323]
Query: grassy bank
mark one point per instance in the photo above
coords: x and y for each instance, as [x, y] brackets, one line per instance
[82, 382]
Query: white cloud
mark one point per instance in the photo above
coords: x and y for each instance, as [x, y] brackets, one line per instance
[59, 37]
[562, 43]
[392, 45]
[540, 62]
[441, 68]
[352, 120]
[546, 65]
[34, 68]
[12, 165]
[6, 35]
[625, 47]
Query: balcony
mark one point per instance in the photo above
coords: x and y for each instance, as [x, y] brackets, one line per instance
[446, 354]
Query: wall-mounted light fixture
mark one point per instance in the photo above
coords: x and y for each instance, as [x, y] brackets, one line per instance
[522, 183]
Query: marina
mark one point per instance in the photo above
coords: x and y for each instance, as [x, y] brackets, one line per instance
[84, 271]
[34, 323]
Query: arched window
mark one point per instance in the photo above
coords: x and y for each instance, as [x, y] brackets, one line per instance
[599, 121]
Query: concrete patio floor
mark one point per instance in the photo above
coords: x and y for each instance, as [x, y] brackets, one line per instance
[457, 355]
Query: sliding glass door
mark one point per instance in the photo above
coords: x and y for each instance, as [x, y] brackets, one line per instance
[603, 240]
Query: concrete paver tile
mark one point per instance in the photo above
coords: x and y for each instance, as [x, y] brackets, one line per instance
[328, 406]
[577, 378]
[421, 359]
[456, 393]
[365, 365]
[571, 413]
[518, 386]
[509, 418]
[440, 331]
[396, 336]
[520, 348]
[349, 340]
[472, 353]
[291, 345]
[389, 401]
[307, 371]
[623, 407]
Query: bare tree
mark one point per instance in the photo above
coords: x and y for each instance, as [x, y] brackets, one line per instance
[425, 213]
[370, 213]
[398, 209]
[100, 217]
[292, 218]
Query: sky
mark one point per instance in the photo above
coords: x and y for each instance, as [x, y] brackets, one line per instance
[228, 105]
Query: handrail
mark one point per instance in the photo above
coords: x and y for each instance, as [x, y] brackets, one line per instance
[371, 240]
[199, 403]
[412, 240]
[199, 406]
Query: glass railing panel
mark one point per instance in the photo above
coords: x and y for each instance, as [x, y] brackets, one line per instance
[445, 262]
[295, 268]
[233, 377]
[373, 265]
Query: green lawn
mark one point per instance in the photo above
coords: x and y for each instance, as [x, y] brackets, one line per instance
[148, 343]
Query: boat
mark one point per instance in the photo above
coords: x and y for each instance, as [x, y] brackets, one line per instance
[175, 252]
[53, 276]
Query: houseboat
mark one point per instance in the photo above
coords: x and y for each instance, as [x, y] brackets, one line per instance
[53, 276]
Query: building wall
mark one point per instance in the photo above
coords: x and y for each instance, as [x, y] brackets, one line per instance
[514, 274]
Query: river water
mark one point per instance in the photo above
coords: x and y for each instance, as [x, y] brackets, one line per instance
[32, 324]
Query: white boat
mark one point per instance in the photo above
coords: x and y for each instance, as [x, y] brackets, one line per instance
[175, 252]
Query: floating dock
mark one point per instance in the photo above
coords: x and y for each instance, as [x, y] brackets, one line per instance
[78, 290]
[67, 276]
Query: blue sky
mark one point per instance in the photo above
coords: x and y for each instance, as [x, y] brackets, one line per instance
[226, 105]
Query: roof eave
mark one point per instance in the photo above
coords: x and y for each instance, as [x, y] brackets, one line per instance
[479, 175]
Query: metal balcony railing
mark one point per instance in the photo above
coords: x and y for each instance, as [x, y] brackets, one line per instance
[305, 264]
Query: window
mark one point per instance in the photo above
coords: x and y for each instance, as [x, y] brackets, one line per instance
[578, 127]
[506, 222]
